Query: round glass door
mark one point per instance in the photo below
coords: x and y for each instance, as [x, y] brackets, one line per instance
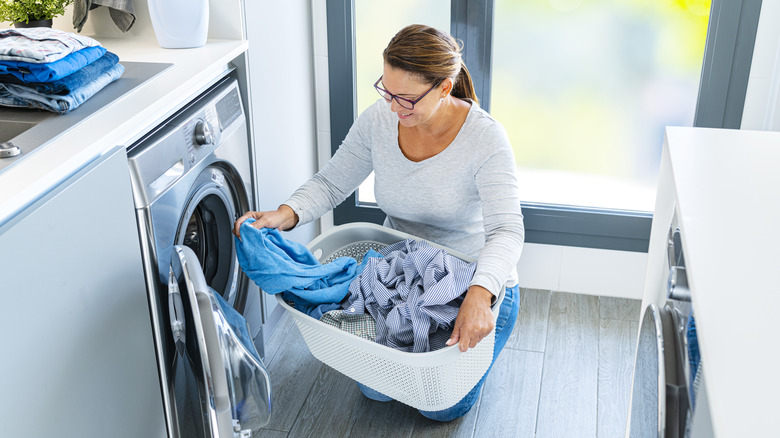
[205, 228]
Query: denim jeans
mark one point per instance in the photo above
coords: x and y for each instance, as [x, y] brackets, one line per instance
[507, 316]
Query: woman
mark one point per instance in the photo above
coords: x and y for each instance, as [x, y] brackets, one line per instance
[444, 171]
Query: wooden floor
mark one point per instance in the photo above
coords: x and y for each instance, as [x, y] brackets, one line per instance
[565, 372]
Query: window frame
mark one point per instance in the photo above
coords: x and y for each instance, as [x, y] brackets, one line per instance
[728, 55]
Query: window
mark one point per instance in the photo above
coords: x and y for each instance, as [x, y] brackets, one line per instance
[585, 89]
[375, 24]
[606, 131]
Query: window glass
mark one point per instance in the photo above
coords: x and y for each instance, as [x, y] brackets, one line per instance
[585, 88]
[375, 23]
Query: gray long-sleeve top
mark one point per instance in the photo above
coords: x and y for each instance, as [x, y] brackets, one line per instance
[465, 197]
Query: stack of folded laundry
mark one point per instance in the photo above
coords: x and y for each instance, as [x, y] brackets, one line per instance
[52, 69]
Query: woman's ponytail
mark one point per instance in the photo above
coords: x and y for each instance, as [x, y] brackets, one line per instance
[464, 86]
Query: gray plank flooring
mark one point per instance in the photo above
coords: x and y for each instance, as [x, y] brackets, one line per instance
[567, 406]
[617, 344]
[565, 372]
[512, 393]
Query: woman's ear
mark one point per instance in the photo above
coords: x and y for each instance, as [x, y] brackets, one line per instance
[446, 87]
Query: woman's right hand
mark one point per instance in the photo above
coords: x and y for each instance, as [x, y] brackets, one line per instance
[282, 219]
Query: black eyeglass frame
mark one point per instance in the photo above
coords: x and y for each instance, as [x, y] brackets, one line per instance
[384, 93]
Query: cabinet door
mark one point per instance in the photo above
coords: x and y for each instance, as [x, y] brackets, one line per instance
[77, 346]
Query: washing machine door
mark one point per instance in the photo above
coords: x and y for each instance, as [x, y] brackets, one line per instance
[221, 386]
[205, 226]
[660, 403]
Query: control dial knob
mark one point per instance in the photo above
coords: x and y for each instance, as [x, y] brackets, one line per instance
[203, 133]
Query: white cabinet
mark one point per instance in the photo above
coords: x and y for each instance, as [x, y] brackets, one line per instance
[76, 337]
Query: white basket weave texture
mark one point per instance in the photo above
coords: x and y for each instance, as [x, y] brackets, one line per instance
[429, 381]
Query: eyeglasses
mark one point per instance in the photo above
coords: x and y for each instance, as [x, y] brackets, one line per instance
[405, 103]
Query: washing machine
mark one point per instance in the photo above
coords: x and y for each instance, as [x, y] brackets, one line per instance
[667, 367]
[191, 180]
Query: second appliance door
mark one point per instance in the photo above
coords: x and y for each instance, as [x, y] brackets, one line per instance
[221, 386]
[659, 403]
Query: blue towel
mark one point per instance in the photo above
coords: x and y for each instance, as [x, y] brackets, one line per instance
[25, 97]
[279, 265]
[68, 83]
[51, 71]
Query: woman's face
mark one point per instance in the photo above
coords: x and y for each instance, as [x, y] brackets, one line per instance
[409, 86]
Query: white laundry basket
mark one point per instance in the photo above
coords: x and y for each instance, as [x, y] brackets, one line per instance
[428, 381]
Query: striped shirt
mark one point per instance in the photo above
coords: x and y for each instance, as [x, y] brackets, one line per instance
[414, 293]
[41, 44]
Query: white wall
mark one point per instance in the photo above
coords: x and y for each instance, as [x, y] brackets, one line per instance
[583, 270]
[762, 99]
[281, 74]
[322, 96]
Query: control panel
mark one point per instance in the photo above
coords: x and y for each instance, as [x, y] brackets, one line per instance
[185, 139]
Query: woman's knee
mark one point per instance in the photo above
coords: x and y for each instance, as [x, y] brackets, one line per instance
[373, 395]
[445, 415]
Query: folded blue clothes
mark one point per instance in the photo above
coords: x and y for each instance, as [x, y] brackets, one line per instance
[278, 265]
[25, 97]
[51, 71]
[70, 82]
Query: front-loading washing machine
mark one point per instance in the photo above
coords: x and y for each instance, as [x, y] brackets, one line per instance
[191, 180]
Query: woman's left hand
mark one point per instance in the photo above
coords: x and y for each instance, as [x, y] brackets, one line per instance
[475, 320]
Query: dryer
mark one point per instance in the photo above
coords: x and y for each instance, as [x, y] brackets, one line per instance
[191, 180]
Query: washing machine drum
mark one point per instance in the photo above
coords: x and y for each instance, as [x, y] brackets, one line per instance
[660, 403]
[205, 227]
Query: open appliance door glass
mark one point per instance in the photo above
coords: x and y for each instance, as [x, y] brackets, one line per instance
[221, 386]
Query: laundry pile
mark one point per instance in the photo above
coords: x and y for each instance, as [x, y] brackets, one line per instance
[413, 292]
[405, 296]
[52, 69]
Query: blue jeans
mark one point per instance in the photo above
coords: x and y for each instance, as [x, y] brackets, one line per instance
[507, 316]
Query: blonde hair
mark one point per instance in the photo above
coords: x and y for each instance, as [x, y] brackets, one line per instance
[433, 55]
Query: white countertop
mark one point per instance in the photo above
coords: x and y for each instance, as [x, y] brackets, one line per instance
[122, 121]
[728, 192]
